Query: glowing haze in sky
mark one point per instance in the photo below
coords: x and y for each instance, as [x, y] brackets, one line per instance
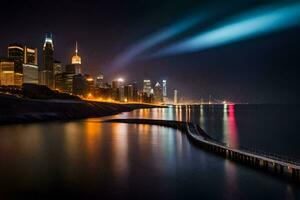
[250, 24]
[160, 36]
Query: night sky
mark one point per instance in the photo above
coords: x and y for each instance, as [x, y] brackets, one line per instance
[257, 70]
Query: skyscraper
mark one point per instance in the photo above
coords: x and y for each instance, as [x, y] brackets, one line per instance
[158, 93]
[15, 52]
[135, 91]
[147, 87]
[6, 72]
[99, 81]
[8, 76]
[57, 67]
[164, 88]
[30, 74]
[64, 82]
[47, 72]
[25, 62]
[80, 86]
[118, 89]
[30, 66]
[76, 61]
[175, 96]
[128, 92]
[31, 56]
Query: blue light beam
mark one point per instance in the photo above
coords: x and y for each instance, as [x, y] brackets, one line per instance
[251, 24]
[160, 36]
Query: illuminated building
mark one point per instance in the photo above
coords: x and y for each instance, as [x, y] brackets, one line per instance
[147, 87]
[165, 95]
[70, 69]
[8, 76]
[30, 66]
[175, 96]
[31, 57]
[80, 86]
[104, 92]
[46, 72]
[158, 93]
[22, 55]
[121, 93]
[115, 84]
[135, 92]
[118, 89]
[90, 84]
[128, 92]
[57, 67]
[18, 79]
[83, 85]
[99, 81]
[64, 77]
[30, 74]
[64, 82]
[16, 53]
[25, 59]
[76, 61]
[143, 97]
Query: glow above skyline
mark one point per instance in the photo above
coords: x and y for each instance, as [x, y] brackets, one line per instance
[160, 36]
[254, 23]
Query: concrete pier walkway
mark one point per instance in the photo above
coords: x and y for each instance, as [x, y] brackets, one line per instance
[252, 158]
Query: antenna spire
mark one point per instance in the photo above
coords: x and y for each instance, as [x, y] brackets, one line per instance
[76, 49]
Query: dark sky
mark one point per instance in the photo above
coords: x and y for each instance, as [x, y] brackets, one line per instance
[262, 69]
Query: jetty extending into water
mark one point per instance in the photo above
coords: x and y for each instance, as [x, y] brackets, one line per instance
[260, 160]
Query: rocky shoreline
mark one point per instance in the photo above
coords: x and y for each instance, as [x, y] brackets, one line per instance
[21, 110]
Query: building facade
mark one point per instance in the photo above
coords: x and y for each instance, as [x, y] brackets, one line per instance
[175, 97]
[158, 93]
[57, 67]
[128, 93]
[8, 75]
[80, 86]
[30, 74]
[25, 62]
[100, 81]
[47, 72]
[16, 53]
[165, 93]
[147, 87]
[64, 82]
[76, 61]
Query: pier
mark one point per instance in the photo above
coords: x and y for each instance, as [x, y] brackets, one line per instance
[256, 159]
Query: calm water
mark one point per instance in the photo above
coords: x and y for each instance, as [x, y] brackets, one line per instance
[89, 159]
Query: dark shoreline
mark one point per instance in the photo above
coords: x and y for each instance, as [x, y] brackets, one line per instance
[14, 110]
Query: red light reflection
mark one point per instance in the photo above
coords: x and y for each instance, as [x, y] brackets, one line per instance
[232, 127]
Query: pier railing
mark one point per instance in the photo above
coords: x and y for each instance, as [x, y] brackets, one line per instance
[255, 151]
[249, 156]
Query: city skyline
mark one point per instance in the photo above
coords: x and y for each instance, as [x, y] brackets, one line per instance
[150, 99]
[268, 75]
[20, 70]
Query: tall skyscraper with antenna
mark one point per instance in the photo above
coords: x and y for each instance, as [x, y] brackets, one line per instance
[76, 60]
[47, 71]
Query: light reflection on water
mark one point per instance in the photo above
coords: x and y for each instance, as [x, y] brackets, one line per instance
[126, 160]
[120, 149]
[230, 126]
[204, 115]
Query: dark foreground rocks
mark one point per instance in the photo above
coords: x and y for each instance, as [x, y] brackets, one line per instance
[22, 110]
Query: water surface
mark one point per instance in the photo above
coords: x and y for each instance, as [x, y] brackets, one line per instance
[88, 159]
